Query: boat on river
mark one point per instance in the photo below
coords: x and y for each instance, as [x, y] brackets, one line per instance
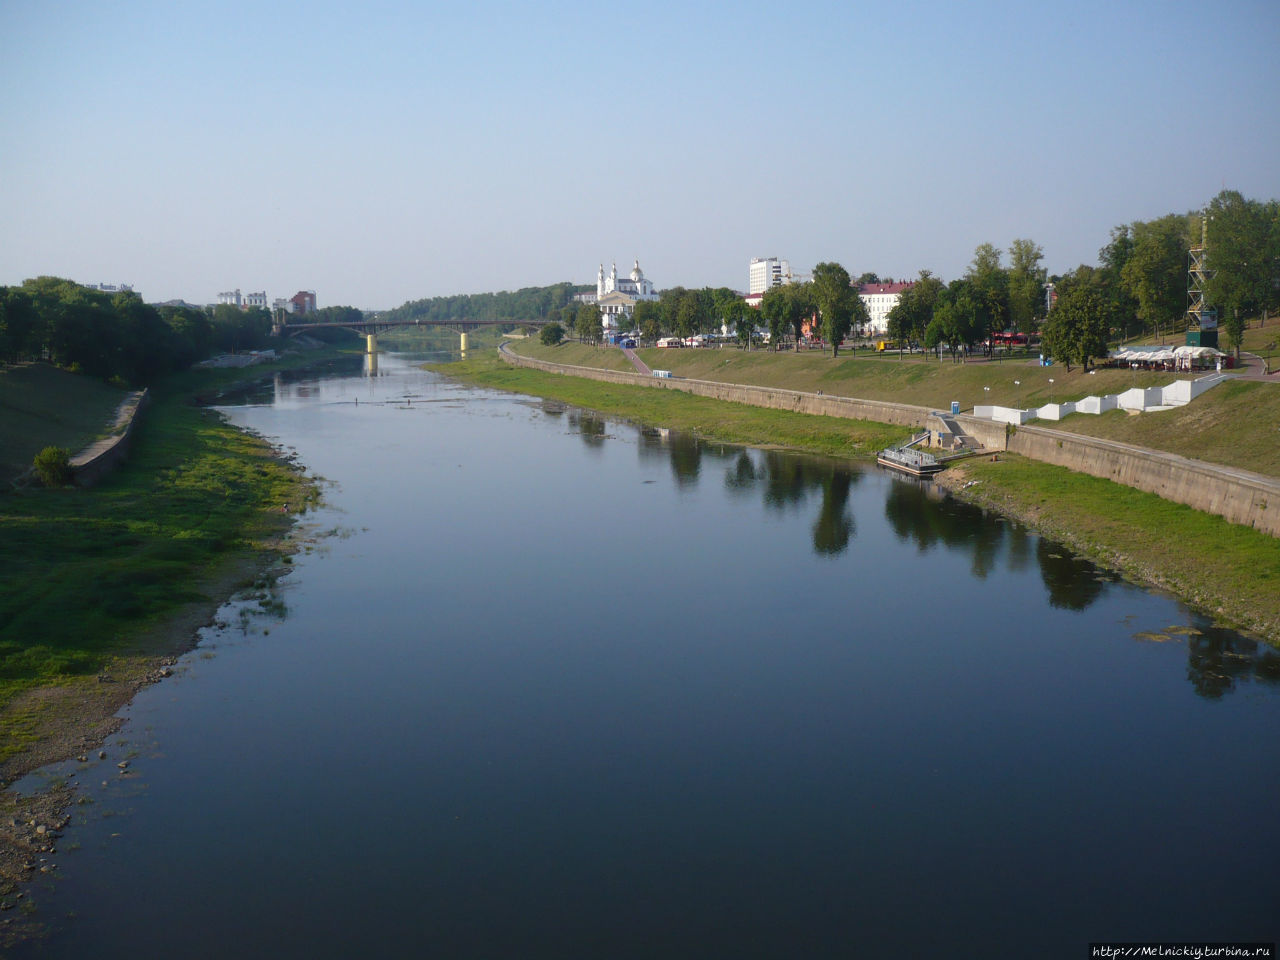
[908, 460]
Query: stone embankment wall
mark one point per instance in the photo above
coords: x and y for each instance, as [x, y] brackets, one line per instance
[1237, 495]
[820, 404]
[94, 462]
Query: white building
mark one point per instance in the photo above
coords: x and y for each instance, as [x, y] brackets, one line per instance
[617, 296]
[880, 298]
[230, 297]
[766, 272]
[255, 300]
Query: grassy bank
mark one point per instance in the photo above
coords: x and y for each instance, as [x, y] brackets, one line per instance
[1225, 569]
[93, 581]
[43, 406]
[1228, 570]
[1235, 424]
[713, 419]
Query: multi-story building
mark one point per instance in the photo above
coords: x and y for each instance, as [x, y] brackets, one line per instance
[230, 298]
[255, 300]
[303, 302]
[880, 298]
[766, 272]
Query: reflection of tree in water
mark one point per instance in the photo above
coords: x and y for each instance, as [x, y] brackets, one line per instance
[834, 526]
[1219, 659]
[1073, 582]
[686, 458]
[786, 480]
[918, 511]
[588, 426]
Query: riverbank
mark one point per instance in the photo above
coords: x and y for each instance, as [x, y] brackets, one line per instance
[101, 590]
[1229, 571]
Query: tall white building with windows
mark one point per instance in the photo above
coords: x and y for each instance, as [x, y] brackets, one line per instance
[766, 272]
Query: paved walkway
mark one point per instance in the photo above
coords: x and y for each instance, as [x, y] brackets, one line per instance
[637, 362]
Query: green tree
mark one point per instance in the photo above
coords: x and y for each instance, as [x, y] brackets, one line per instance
[913, 313]
[589, 326]
[774, 310]
[989, 292]
[1026, 285]
[53, 466]
[648, 320]
[1239, 255]
[1155, 274]
[551, 334]
[833, 297]
[1076, 329]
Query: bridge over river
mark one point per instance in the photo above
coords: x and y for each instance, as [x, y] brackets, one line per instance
[370, 329]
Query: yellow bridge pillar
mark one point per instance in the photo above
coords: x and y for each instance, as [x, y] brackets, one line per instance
[371, 344]
[464, 342]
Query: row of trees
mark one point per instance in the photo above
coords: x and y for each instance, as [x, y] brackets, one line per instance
[115, 336]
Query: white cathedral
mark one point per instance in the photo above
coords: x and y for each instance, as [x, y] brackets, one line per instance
[617, 296]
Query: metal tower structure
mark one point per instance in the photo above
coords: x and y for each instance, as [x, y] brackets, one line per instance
[1202, 318]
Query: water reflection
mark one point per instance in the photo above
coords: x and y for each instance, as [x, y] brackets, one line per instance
[1073, 582]
[921, 513]
[1219, 660]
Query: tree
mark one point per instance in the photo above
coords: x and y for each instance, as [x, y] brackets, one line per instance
[1026, 285]
[832, 295]
[1112, 259]
[1155, 273]
[774, 309]
[989, 291]
[648, 320]
[1077, 327]
[1239, 254]
[589, 327]
[551, 334]
[53, 466]
[913, 313]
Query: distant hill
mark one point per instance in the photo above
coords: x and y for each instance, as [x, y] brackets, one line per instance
[528, 303]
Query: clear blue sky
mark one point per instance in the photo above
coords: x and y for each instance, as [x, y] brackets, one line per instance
[386, 151]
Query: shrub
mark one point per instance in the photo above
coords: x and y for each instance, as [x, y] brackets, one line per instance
[53, 466]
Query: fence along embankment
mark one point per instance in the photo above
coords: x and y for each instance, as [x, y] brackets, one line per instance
[1239, 496]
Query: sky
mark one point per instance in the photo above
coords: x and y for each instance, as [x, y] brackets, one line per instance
[389, 151]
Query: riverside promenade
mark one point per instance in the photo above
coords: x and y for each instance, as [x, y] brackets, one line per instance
[1240, 496]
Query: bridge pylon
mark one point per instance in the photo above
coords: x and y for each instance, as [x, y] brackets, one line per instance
[371, 344]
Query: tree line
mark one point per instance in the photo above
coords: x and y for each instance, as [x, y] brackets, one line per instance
[1138, 287]
[117, 337]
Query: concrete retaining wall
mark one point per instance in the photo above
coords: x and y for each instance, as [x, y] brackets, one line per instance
[93, 463]
[818, 404]
[1237, 495]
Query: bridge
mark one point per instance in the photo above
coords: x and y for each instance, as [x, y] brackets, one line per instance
[370, 329]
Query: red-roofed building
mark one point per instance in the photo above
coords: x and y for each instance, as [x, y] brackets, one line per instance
[880, 298]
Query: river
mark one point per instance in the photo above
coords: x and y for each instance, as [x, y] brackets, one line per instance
[544, 684]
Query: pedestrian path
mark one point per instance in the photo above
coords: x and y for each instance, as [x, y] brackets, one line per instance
[637, 362]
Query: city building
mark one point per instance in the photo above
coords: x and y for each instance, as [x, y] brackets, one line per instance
[879, 299]
[230, 297]
[302, 302]
[766, 272]
[617, 296]
[254, 300]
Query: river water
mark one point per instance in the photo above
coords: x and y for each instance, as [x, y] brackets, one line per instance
[544, 684]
